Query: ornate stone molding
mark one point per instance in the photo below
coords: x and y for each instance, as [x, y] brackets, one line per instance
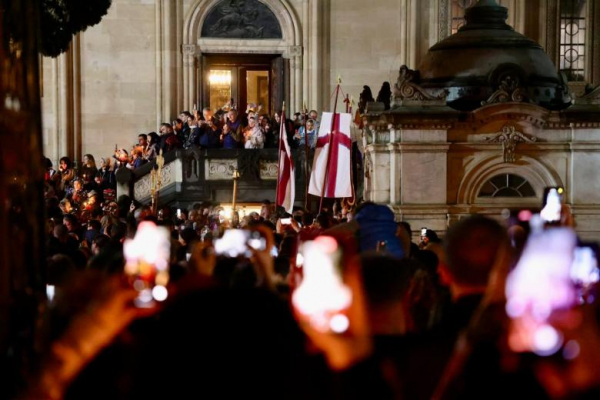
[509, 90]
[509, 137]
[407, 90]
[378, 133]
[143, 187]
[217, 169]
[568, 125]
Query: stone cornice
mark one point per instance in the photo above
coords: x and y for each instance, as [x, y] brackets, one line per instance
[568, 125]
[418, 147]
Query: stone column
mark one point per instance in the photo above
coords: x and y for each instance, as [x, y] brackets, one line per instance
[169, 36]
[318, 82]
[379, 171]
[66, 134]
[189, 52]
[159, 64]
[294, 54]
[395, 173]
[408, 32]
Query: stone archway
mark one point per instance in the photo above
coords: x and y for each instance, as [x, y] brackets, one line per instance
[538, 174]
[194, 46]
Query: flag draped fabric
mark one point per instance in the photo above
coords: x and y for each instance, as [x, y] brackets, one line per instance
[286, 188]
[333, 157]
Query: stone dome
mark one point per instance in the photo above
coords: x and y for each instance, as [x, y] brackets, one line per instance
[486, 61]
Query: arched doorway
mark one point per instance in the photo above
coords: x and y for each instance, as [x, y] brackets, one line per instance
[218, 36]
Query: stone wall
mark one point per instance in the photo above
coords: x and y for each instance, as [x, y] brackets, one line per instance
[139, 66]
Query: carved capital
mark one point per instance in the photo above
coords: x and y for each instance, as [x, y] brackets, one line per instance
[295, 51]
[509, 137]
[189, 51]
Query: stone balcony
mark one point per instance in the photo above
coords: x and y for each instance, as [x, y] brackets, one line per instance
[196, 175]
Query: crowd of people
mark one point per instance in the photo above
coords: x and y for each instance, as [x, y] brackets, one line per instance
[341, 304]
[227, 128]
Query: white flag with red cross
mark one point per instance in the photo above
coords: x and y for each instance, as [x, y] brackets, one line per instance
[332, 165]
[286, 182]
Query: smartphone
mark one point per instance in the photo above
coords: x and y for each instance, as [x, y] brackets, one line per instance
[584, 269]
[423, 232]
[322, 294]
[286, 221]
[235, 242]
[179, 213]
[540, 284]
[552, 204]
[147, 258]
[50, 291]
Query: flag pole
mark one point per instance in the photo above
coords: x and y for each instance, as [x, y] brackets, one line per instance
[281, 126]
[306, 150]
[337, 92]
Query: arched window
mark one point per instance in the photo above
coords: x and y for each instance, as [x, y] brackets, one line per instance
[507, 185]
[457, 14]
[573, 31]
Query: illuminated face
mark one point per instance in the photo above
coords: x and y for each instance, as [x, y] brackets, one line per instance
[251, 122]
[313, 115]
[207, 114]
[277, 117]
[232, 115]
[310, 126]
[63, 165]
[77, 185]
[68, 224]
[142, 141]
[86, 160]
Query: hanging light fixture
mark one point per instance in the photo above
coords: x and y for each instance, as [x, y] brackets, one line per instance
[220, 77]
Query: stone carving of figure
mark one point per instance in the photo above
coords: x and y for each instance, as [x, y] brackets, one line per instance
[237, 21]
[385, 95]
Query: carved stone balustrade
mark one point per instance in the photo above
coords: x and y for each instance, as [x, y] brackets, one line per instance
[197, 175]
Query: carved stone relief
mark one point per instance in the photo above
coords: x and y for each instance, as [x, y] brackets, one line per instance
[509, 90]
[268, 170]
[143, 187]
[509, 137]
[407, 90]
[220, 169]
[241, 19]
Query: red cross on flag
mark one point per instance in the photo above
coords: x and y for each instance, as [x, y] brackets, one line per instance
[286, 188]
[333, 157]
